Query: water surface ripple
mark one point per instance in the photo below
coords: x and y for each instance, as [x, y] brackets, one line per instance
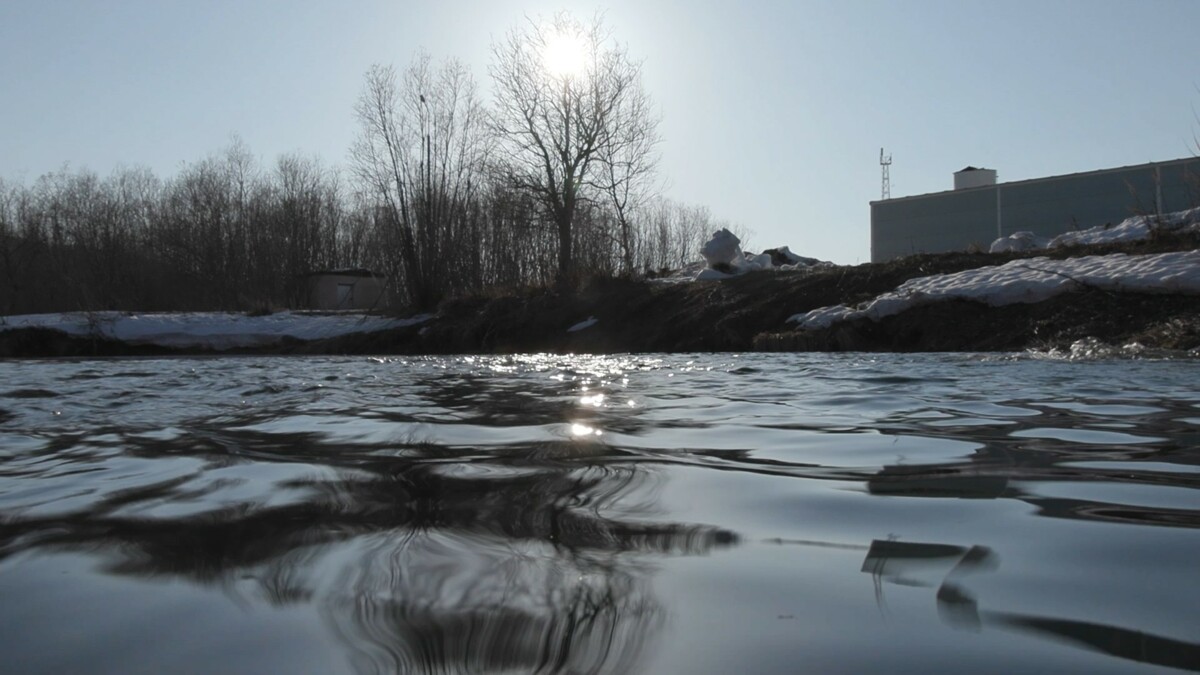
[587, 514]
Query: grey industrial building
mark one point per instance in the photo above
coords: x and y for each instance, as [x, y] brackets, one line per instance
[979, 210]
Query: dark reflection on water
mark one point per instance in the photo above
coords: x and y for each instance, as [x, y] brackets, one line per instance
[908, 563]
[1040, 448]
[1115, 640]
[600, 514]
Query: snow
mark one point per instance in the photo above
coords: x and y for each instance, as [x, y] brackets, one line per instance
[1130, 229]
[1027, 280]
[762, 261]
[724, 251]
[1018, 241]
[213, 330]
[709, 274]
[586, 323]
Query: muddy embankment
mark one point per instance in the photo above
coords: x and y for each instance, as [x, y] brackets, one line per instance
[750, 313]
[744, 314]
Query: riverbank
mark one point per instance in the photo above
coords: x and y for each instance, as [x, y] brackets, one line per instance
[746, 313]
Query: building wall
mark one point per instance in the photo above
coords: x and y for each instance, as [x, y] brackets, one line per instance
[956, 220]
[345, 291]
[947, 221]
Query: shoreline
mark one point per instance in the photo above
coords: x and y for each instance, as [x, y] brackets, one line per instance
[740, 314]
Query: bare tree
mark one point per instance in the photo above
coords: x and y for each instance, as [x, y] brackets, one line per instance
[566, 100]
[419, 151]
[628, 169]
[11, 245]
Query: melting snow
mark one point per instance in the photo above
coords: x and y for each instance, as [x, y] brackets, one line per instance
[214, 330]
[1027, 280]
[1130, 229]
[1018, 241]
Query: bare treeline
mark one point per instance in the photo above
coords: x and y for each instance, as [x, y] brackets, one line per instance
[439, 199]
[229, 234]
[223, 234]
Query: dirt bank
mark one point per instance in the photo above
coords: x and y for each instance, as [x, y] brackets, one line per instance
[1156, 321]
[748, 313]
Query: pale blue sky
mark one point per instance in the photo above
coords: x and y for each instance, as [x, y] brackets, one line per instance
[773, 112]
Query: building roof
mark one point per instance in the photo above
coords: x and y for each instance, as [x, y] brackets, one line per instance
[1147, 165]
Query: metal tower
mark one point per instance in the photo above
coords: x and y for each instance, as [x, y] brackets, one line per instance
[885, 163]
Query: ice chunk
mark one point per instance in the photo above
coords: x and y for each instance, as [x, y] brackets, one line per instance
[723, 249]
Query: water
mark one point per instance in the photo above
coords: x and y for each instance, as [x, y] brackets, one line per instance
[682, 514]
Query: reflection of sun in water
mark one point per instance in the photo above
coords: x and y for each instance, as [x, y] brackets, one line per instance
[565, 55]
[584, 430]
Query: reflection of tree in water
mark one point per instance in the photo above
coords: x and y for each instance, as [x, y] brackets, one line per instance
[490, 606]
[533, 571]
[532, 557]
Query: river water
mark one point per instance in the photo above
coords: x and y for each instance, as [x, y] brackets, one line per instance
[659, 514]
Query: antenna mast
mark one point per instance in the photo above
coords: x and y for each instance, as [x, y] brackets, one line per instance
[885, 163]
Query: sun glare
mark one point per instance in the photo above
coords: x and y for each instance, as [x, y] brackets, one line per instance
[565, 55]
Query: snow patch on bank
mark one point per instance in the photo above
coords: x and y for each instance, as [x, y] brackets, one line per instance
[212, 330]
[1025, 281]
[1018, 241]
[1135, 228]
[586, 323]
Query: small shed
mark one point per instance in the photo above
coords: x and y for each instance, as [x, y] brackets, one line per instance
[974, 176]
[346, 289]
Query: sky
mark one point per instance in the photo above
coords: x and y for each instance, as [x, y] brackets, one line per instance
[773, 113]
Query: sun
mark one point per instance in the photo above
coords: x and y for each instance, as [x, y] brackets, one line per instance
[565, 55]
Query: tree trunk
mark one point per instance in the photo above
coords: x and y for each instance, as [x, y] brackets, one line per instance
[626, 243]
[565, 249]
